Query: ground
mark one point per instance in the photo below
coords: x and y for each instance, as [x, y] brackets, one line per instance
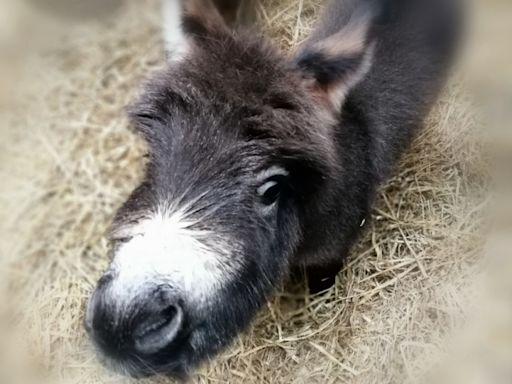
[69, 159]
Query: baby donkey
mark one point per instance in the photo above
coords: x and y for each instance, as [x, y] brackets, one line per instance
[259, 165]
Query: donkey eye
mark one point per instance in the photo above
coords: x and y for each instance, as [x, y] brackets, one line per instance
[272, 182]
[269, 192]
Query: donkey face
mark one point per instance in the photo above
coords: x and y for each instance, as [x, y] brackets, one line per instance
[240, 148]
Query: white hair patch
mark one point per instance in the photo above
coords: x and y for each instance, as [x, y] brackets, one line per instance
[176, 42]
[166, 249]
[272, 172]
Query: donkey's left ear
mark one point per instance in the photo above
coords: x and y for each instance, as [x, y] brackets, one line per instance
[331, 67]
[186, 22]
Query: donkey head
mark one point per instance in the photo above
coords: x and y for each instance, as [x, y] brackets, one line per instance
[241, 148]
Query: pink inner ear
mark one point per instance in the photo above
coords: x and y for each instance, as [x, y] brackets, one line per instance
[320, 93]
[351, 40]
[329, 79]
[334, 65]
[338, 92]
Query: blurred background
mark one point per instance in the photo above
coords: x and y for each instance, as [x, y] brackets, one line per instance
[425, 297]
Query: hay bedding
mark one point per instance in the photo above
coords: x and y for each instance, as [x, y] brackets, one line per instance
[75, 160]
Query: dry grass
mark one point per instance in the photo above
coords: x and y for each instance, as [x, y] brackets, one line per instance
[70, 160]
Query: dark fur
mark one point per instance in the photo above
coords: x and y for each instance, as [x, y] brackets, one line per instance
[237, 13]
[235, 106]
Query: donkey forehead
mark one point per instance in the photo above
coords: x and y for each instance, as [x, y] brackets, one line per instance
[219, 118]
[227, 79]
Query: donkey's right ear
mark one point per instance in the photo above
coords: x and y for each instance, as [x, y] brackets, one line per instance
[332, 66]
[187, 22]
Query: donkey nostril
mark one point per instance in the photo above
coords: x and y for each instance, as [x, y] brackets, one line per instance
[167, 316]
[159, 330]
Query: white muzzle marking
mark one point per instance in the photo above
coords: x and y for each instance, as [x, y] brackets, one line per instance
[165, 249]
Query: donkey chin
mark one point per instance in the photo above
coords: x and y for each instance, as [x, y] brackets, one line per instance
[258, 164]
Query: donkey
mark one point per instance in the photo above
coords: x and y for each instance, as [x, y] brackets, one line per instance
[259, 165]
